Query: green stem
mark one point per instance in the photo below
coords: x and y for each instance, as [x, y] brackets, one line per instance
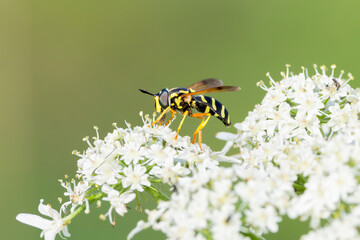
[93, 189]
[298, 186]
[325, 102]
[207, 234]
[157, 194]
[252, 236]
[91, 199]
[156, 180]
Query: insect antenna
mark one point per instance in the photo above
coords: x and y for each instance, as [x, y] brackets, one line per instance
[146, 92]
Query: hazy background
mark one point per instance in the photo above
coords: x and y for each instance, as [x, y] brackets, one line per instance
[68, 65]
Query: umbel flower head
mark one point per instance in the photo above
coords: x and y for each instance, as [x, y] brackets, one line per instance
[116, 169]
[300, 155]
[297, 154]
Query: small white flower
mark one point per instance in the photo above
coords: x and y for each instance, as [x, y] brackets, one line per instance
[135, 177]
[76, 195]
[160, 156]
[169, 173]
[300, 85]
[49, 227]
[95, 157]
[340, 117]
[226, 223]
[252, 128]
[265, 219]
[229, 138]
[309, 103]
[116, 135]
[132, 152]
[107, 173]
[117, 201]
[274, 97]
[278, 119]
[251, 192]
[137, 135]
[222, 193]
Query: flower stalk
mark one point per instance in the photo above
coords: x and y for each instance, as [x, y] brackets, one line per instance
[92, 198]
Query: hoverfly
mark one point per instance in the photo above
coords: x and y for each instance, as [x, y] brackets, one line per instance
[185, 100]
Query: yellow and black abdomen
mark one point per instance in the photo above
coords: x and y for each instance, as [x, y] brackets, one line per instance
[210, 105]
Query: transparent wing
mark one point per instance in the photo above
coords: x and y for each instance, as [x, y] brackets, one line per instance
[206, 83]
[214, 89]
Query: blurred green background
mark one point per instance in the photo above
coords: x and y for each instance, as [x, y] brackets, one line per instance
[68, 65]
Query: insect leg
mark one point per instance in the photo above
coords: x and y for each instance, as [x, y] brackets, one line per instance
[201, 126]
[160, 117]
[181, 123]
[200, 138]
[161, 121]
[173, 112]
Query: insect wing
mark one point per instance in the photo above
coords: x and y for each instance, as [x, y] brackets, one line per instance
[206, 83]
[214, 89]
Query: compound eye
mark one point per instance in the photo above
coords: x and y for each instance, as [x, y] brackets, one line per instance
[164, 98]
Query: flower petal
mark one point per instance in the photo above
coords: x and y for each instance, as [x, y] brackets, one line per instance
[47, 210]
[225, 136]
[34, 220]
[106, 188]
[127, 197]
[50, 235]
[141, 225]
[65, 232]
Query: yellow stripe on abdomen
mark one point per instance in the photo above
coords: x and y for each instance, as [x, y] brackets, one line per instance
[223, 111]
[213, 103]
[207, 109]
[203, 99]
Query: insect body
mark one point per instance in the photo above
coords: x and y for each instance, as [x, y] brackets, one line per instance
[185, 100]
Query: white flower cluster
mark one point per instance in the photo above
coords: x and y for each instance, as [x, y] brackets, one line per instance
[126, 162]
[297, 154]
[300, 150]
[309, 129]
[206, 198]
[344, 228]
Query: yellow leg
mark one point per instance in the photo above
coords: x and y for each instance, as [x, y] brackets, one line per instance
[181, 123]
[173, 112]
[200, 138]
[201, 125]
[160, 117]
